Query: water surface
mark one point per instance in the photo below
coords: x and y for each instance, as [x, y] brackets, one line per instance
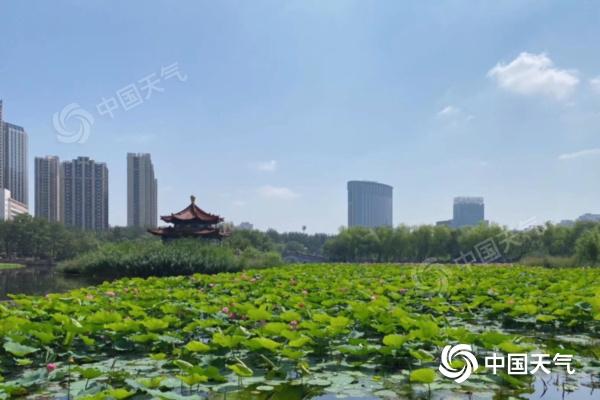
[40, 280]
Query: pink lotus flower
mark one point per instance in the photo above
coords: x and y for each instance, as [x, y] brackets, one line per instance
[225, 310]
[293, 324]
[51, 367]
[305, 292]
[89, 297]
[110, 293]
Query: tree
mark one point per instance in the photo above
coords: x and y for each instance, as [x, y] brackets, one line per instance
[587, 247]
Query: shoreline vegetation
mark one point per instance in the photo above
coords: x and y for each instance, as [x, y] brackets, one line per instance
[7, 266]
[102, 253]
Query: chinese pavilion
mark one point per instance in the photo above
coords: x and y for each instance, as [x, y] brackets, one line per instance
[191, 222]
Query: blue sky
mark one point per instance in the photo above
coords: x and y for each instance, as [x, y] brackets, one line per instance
[284, 101]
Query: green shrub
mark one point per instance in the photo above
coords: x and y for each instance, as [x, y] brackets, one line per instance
[549, 261]
[153, 258]
[252, 258]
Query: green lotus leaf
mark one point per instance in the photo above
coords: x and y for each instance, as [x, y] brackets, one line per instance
[423, 375]
[197, 347]
[18, 349]
[394, 341]
[259, 314]
[89, 373]
[155, 324]
[241, 370]
[262, 343]
[290, 316]
[192, 379]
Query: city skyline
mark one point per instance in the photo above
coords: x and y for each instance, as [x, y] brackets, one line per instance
[268, 120]
[145, 158]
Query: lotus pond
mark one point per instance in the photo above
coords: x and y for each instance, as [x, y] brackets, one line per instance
[299, 332]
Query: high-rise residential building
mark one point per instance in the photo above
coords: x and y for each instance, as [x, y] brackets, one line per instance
[48, 188]
[468, 211]
[13, 160]
[9, 207]
[142, 197]
[370, 204]
[84, 194]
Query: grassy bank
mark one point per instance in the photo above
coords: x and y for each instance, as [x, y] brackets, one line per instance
[153, 258]
[4, 266]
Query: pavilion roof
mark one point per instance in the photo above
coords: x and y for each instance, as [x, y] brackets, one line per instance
[192, 213]
[175, 233]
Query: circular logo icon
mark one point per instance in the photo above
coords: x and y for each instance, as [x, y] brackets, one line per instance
[465, 354]
[431, 276]
[79, 131]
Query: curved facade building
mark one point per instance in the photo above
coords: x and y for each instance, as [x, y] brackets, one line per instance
[370, 204]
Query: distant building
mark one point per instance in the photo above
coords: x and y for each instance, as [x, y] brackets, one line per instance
[142, 197]
[48, 188]
[9, 207]
[566, 222]
[245, 226]
[370, 204]
[446, 222]
[468, 211]
[13, 160]
[589, 218]
[85, 194]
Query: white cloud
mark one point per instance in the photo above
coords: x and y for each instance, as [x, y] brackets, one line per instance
[580, 154]
[266, 166]
[595, 83]
[535, 74]
[448, 111]
[276, 192]
[454, 114]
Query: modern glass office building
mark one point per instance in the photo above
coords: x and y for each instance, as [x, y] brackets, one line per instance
[370, 204]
